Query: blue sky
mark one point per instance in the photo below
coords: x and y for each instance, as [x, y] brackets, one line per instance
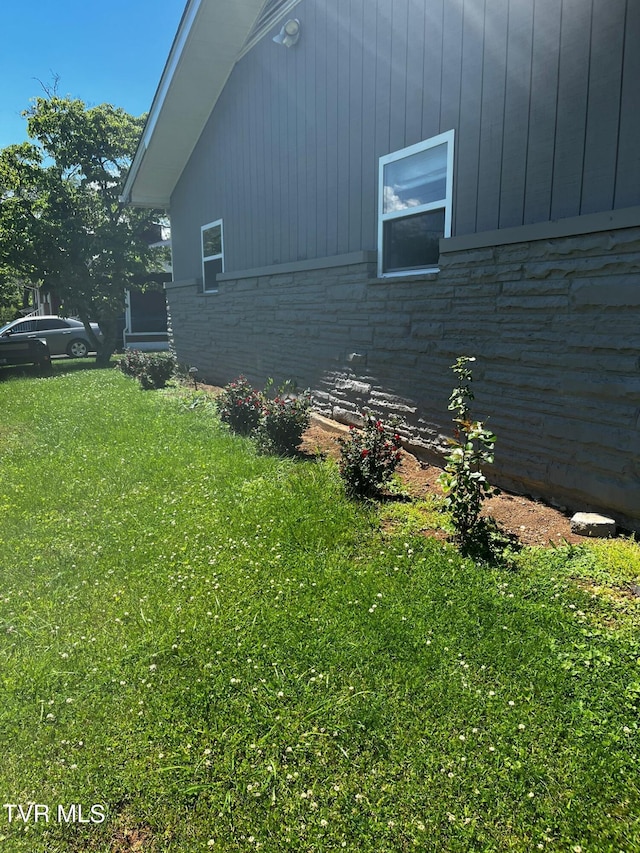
[111, 52]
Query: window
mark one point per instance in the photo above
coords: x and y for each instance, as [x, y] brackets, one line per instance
[212, 255]
[51, 323]
[24, 328]
[414, 208]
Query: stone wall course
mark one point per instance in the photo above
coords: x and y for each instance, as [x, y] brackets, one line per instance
[553, 325]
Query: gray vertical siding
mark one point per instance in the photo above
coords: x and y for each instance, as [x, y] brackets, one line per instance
[543, 96]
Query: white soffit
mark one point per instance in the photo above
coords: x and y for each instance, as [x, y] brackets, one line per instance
[209, 39]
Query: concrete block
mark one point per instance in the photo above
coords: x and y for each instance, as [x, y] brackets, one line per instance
[592, 524]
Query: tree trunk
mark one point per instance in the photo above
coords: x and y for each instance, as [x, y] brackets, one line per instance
[109, 329]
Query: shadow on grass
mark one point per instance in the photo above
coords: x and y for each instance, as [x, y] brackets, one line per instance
[59, 367]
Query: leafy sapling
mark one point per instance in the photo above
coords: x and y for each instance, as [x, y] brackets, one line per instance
[464, 484]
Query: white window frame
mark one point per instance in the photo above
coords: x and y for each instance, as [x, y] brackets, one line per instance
[206, 258]
[441, 204]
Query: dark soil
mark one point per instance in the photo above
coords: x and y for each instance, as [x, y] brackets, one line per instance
[532, 522]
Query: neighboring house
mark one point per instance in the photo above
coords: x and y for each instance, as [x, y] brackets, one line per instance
[144, 323]
[145, 316]
[387, 185]
[42, 302]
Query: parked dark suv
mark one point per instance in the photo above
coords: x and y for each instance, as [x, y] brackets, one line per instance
[31, 351]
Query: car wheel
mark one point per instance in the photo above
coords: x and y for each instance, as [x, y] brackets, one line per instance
[77, 349]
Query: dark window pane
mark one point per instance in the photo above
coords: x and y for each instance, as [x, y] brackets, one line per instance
[24, 327]
[412, 242]
[212, 241]
[148, 311]
[44, 325]
[211, 270]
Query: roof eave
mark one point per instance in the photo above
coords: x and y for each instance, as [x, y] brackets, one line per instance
[210, 37]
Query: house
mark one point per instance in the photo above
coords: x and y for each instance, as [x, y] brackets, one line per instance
[362, 190]
[143, 325]
[145, 322]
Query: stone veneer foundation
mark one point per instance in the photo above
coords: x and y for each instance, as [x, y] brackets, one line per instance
[552, 322]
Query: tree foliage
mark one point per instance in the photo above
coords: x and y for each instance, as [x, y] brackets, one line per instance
[62, 224]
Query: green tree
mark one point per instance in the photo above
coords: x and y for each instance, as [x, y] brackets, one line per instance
[62, 224]
[11, 298]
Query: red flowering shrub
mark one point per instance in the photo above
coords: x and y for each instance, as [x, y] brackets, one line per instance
[240, 406]
[368, 457]
[284, 420]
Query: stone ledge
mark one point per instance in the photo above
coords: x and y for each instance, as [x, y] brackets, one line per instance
[574, 226]
[592, 524]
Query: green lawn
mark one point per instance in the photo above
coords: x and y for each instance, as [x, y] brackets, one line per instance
[225, 654]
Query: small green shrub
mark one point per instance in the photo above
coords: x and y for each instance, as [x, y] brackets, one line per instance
[131, 363]
[284, 420]
[151, 369]
[462, 480]
[368, 457]
[240, 406]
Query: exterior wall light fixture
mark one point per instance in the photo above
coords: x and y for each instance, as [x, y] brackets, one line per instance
[289, 34]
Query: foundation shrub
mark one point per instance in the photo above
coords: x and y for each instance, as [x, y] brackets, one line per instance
[285, 417]
[152, 369]
[368, 457]
[240, 406]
